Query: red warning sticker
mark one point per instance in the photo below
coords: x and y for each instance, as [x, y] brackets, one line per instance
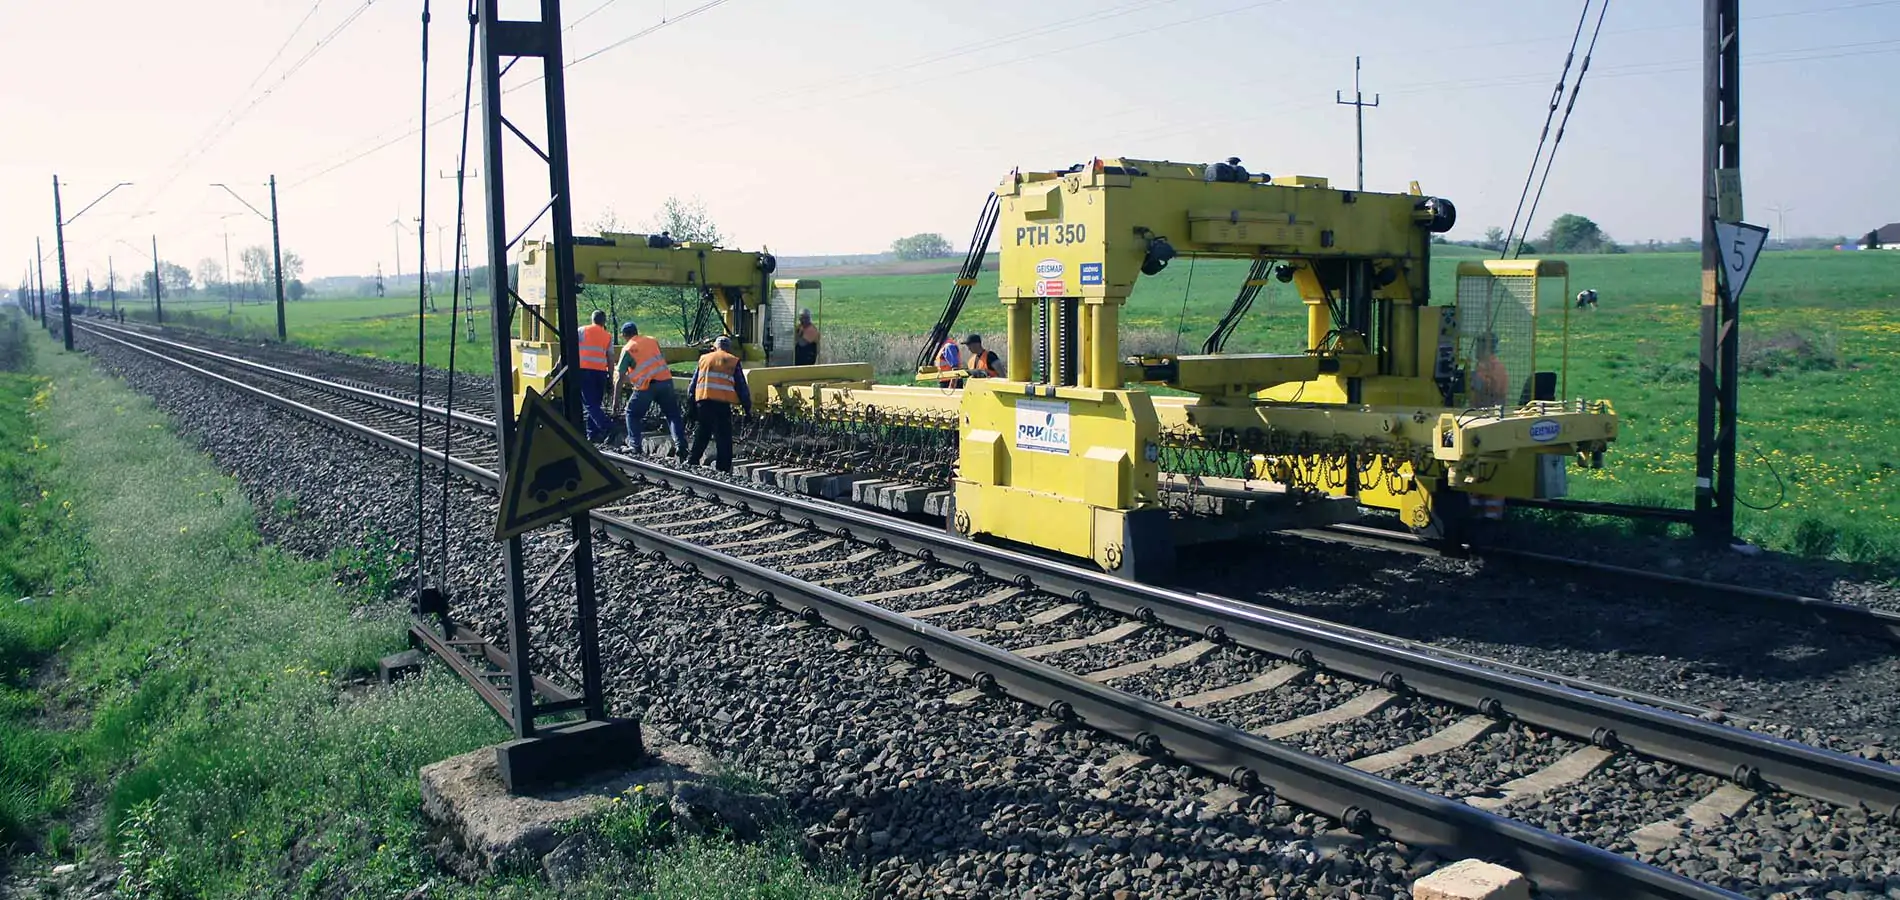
[1051, 287]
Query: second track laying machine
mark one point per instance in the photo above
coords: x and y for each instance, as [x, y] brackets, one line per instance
[1394, 402]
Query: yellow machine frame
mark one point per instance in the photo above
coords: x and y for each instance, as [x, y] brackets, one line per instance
[738, 283]
[1065, 457]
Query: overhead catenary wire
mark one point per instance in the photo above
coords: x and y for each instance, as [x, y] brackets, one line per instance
[1563, 123]
[230, 121]
[461, 264]
[705, 7]
[1543, 137]
[1013, 60]
[380, 146]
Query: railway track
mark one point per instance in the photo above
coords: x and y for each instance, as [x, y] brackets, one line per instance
[1795, 608]
[1137, 662]
[1848, 618]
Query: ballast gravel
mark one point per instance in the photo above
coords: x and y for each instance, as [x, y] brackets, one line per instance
[934, 799]
[929, 799]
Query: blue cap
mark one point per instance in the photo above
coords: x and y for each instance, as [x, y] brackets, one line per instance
[629, 328]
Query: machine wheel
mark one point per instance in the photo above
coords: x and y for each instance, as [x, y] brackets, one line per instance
[1450, 521]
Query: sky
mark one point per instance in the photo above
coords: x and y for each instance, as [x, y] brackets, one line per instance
[838, 126]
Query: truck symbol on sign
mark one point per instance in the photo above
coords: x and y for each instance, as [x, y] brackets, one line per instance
[561, 474]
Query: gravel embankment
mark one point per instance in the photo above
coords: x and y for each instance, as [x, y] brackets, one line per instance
[931, 796]
[932, 799]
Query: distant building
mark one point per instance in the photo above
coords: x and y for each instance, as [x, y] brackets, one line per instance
[1886, 237]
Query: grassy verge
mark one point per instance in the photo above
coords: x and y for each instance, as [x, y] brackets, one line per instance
[180, 697]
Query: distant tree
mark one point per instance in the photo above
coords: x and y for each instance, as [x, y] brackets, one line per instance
[294, 288]
[1493, 238]
[177, 278]
[256, 265]
[210, 272]
[921, 246]
[615, 298]
[1572, 233]
[293, 267]
[688, 309]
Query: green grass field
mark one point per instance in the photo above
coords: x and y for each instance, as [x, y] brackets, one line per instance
[185, 706]
[1820, 342]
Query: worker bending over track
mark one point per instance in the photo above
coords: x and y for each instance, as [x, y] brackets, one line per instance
[642, 366]
[718, 385]
[597, 347]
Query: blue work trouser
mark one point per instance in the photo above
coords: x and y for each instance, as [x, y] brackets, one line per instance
[593, 388]
[714, 425]
[662, 393]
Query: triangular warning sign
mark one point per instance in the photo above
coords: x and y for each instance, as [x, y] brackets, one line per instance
[554, 472]
[1740, 244]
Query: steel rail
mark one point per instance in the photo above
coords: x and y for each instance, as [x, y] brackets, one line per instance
[1749, 758]
[1847, 617]
[1365, 803]
[1795, 607]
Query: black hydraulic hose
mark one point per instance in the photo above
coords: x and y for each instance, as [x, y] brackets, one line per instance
[1249, 291]
[966, 279]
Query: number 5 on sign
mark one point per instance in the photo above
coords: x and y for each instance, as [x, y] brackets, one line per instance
[1740, 243]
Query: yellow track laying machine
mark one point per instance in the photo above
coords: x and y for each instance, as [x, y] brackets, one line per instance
[1394, 402]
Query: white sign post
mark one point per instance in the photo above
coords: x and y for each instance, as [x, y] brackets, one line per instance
[1740, 244]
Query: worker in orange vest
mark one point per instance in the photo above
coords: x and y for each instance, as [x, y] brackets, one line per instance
[718, 385]
[642, 366]
[597, 347]
[805, 341]
[949, 359]
[983, 363]
[1490, 385]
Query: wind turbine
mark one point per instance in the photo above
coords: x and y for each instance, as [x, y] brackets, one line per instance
[1781, 221]
[395, 230]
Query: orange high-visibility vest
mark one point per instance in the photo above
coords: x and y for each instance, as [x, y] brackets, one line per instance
[716, 380]
[596, 345]
[1488, 384]
[980, 364]
[947, 356]
[649, 364]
